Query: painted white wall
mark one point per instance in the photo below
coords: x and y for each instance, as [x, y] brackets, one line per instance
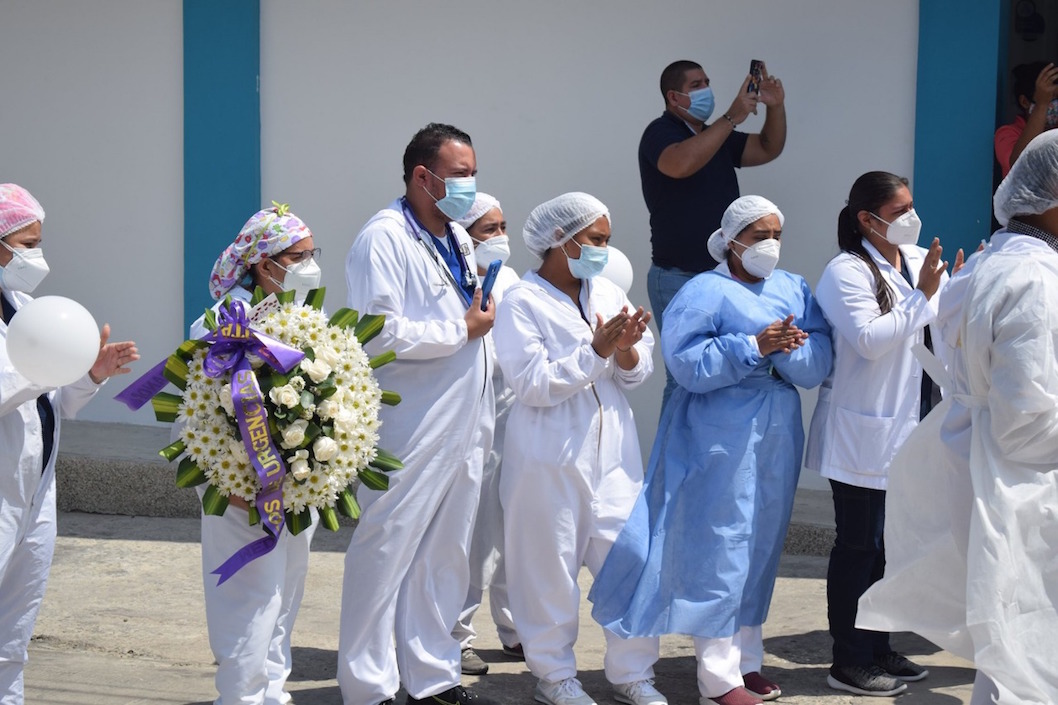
[92, 125]
[556, 94]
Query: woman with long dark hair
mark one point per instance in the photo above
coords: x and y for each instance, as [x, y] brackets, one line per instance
[879, 295]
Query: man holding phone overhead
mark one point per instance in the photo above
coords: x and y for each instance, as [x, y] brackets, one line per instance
[687, 168]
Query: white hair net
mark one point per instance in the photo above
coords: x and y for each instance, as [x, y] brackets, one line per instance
[483, 203]
[1031, 187]
[556, 221]
[738, 216]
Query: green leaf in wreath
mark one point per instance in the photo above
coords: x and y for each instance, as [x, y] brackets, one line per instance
[368, 327]
[386, 461]
[175, 371]
[383, 359]
[297, 523]
[344, 318]
[347, 504]
[166, 406]
[390, 398]
[172, 451]
[329, 518]
[307, 399]
[213, 502]
[258, 296]
[188, 347]
[255, 516]
[315, 298]
[209, 320]
[287, 297]
[189, 474]
[372, 479]
[311, 432]
[326, 388]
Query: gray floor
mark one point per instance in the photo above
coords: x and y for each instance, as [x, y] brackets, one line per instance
[123, 623]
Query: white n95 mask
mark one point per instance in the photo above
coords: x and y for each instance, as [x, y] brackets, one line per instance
[760, 258]
[301, 277]
[25, 271]
[903, 230]
[498, 247]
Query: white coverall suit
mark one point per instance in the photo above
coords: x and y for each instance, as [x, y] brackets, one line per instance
[572, 468]
[27, 505]
[487, 564]
[407, 567]
[250, 617]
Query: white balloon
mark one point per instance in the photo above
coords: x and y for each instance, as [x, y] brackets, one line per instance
[618, 269]
[53, 341]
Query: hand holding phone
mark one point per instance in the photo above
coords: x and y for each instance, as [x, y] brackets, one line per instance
[756, 72]
[487, 283]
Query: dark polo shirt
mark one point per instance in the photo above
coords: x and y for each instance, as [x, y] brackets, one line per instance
[685, 212]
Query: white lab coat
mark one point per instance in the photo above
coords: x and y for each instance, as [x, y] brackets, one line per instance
[572, 468]
[250, 617]
[27, 499]
[486, 545]
[870, 403]
[972, 563]
[407, 567]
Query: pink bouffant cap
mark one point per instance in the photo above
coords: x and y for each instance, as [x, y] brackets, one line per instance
[18, 209]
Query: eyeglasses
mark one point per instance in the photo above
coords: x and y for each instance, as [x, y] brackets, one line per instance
[303, 255]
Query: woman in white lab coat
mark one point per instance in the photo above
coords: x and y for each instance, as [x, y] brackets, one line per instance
[30, 419]
[250, 616]
[879, 297]
[569, 344]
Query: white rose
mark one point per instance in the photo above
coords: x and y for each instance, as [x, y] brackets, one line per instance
[324, 449]
[294, 434]
[328, 408]
[299, 464]
[317, 369]
[328, 355]
[225, 400]
[284, 396]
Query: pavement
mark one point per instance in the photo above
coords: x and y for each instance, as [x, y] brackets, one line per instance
[123, 622]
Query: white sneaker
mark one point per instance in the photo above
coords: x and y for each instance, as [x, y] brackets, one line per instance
[564, 692]
[638, 693]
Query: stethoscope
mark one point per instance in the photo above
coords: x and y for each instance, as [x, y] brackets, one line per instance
[470, 278]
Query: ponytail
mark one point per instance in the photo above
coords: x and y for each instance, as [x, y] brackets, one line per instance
[869, 193]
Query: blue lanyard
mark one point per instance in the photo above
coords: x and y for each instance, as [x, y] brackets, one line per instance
[454, 259]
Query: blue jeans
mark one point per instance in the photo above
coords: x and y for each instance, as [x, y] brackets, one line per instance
[856, 562]
[662, 285]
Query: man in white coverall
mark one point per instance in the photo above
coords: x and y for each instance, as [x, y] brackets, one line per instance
[993, 462]
[407, 568]
[30, 419]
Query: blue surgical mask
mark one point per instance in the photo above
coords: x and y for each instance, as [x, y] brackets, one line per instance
[460, 192]
[702, 103]
[591, 263]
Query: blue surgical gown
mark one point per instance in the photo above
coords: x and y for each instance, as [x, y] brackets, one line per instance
[700, 552]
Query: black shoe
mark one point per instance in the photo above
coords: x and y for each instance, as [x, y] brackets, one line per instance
[471, 663]
[515, 651]
[864, 680]
[900, 667]
[457, 695]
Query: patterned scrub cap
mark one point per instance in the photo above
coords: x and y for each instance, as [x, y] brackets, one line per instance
[267, 232]
[18, 209]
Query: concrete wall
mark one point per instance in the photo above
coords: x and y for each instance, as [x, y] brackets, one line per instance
[92, 124]
[556, 95]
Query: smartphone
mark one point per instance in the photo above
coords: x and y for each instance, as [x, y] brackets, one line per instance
[490, 279]
[756, 72]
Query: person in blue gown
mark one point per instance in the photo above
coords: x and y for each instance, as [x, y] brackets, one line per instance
[700, 552]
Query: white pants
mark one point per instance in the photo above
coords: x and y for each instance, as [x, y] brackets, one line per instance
[250, 616]
[723, 661]
[487, 569]
[551, 533]
[406, 578]
[27, 542]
